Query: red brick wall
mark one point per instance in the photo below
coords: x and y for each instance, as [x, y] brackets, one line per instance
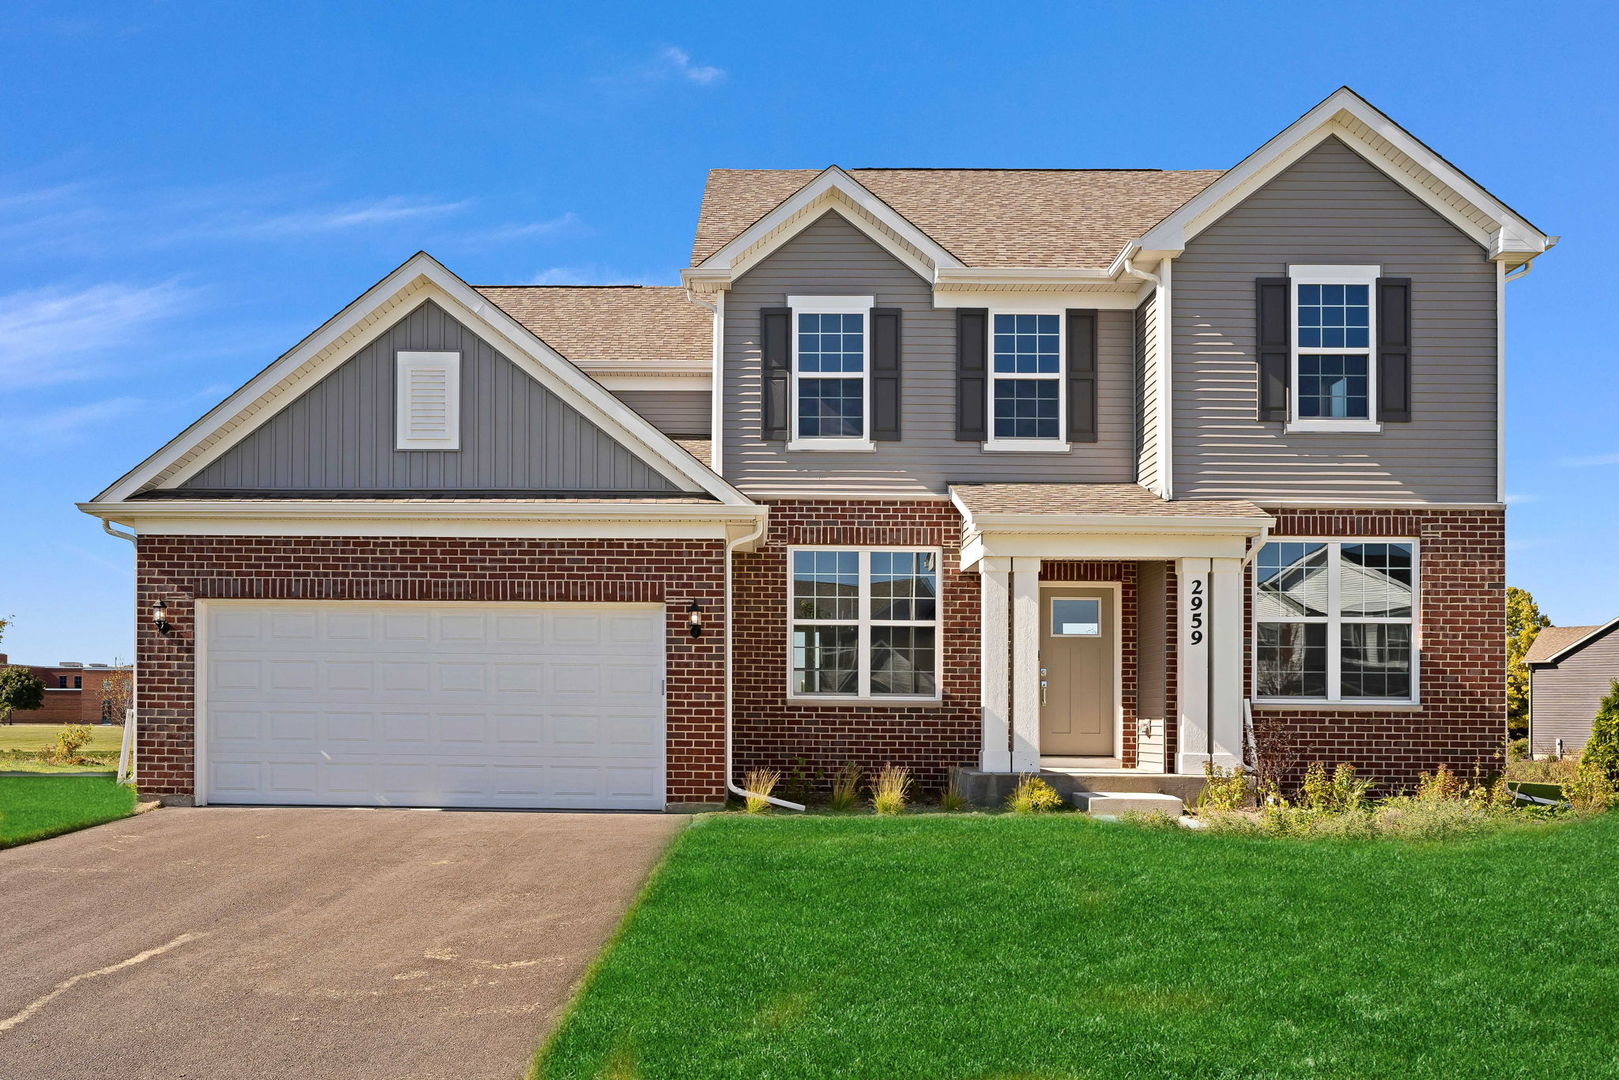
[1461, 574]
[181, 569]
[773, 732]
[69, 705]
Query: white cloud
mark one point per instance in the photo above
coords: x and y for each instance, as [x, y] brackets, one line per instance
[56, 426]
[590, 274]
[568, 224]
[1594, 459]
[53, 335]
[1519, 500]
[384, 211]
[677, 61]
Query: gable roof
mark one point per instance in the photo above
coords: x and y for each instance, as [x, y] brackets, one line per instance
[419, 277]
[1056, 218]
[1555, 642]
[591, 324]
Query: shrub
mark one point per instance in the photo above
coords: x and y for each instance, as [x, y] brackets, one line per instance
[1224, 789]
[1590, 790]
[69, 741]
[890, 789]
[1341, 793]
[952, 800]
[846, 787]
[799, 780]
[759, 783]
[1602, 748]
[1518, 750]
[1151, 819]
[1543, 771]
[1032, 796]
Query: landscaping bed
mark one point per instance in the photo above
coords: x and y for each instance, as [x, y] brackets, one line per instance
[36, 807]
[979, 945]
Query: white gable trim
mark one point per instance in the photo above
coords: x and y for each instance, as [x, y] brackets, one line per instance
[833, 189]
[1505, 234]
[420, 278]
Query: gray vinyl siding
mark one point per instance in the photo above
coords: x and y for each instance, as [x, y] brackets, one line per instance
[1332, 207]
[686, 413]
[1146, 350]
[515, 434]
[832, 257]
[1563, 700]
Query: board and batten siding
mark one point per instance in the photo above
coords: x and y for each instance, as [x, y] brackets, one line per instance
[1146, 352]
[1333, 207]
[515, 434]
[1563, 700]
[833, 258]
[683, 413]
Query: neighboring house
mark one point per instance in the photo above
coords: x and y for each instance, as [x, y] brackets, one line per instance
[993, 468]
[1571, 669]
[75, 693]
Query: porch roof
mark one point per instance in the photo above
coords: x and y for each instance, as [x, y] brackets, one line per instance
[1130, 500]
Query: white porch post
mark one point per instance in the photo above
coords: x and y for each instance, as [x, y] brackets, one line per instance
[994, 658]
[1025, 665]
[1225, 613]
[1192, 664]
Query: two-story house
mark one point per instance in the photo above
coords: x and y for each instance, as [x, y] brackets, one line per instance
[989, 468]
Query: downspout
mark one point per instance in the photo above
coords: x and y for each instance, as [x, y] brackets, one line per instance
[126, 745]
[730, 784]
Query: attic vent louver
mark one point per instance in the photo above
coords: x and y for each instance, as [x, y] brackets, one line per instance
[428, 389]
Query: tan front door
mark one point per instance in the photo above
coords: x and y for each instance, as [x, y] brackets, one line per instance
[1076, 672]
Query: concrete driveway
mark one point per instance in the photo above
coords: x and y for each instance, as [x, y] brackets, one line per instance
[266, 943]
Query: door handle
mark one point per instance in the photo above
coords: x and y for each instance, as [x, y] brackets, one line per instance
[1043, 691]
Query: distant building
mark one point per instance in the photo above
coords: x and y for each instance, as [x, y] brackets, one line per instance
[75, 693]
[1570, 671]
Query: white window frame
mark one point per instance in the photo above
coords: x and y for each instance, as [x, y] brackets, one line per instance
[863, 692]
[1027, 446]
[1333, 275]
[450, 364]
[1335, 620]
[833, 305]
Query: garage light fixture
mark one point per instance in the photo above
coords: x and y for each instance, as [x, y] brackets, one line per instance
[695, 618]
[159, 620]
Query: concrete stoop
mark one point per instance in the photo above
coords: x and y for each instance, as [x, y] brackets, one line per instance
[1116, 803]
[1101, 794]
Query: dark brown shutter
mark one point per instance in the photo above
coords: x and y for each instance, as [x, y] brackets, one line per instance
[1274, 344]
[1081, 375]
[885, 398]
[776, 369]
[1394, 349]
[972, 374]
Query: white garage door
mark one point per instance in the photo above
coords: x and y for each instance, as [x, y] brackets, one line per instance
[431, 704]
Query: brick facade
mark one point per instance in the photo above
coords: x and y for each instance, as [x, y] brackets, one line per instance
[182, 569]
[1461, 722]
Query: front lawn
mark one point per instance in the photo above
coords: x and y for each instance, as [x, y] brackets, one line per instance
[945, 946]
[22, 748]
[34, 807]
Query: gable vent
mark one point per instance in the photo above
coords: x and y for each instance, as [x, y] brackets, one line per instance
[429, 401]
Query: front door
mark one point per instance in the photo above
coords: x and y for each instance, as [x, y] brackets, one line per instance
[1076, 672]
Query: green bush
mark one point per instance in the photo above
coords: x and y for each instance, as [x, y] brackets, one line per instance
[1591, 790]
[1032, 796]
[1340, 793]
[1224, 789]
[1602, 748]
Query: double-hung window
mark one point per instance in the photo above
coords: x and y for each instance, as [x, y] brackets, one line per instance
[1026, 391]
[831, 363]
[863, 622]
[1334, 374]
[1334, 620]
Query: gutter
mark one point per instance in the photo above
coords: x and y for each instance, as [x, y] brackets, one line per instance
[126, 745]
[730, 784]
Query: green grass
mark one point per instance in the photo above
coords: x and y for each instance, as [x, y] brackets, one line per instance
[35, 807]
[35, 737]
[999, 946]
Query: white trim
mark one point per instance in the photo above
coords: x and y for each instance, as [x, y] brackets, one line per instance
[1166, 383]
[1346, 115]
[1331, 426]
[1305, 503]
[420, 278]
[1117, 298]
[1117, 589]
[833, 444]
[1026, 665]
[1036, 444]
[199, 704]
[864, 623]
[442, 432]
[994, 664]
[1306, 274]
[617, 381]
[1025, 446]
[716, 410]
[824, 495]
[831, 305]
[1501, 384]
[1334, 621]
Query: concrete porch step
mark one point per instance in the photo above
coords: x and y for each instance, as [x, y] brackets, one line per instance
[1115, 803]
[990, 790]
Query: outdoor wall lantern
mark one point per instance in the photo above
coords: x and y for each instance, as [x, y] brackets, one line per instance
[695, 618]
[159, 620]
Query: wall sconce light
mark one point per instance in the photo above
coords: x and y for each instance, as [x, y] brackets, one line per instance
[694, 618]
[159, 620]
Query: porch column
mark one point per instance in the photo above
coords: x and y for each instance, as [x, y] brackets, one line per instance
[994, 662]
[1025, 665]
[1192, 664]
[1226, 617]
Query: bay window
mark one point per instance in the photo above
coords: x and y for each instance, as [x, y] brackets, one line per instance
[863, 623]
[1334, 621]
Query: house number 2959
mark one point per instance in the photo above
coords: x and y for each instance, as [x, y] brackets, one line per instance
[1194, 605]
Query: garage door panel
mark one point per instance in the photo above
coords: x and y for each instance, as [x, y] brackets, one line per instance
[407, 704]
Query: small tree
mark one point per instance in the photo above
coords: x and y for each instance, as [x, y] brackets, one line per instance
[1524, 623]
[117, 696]
[19, 690]
[1602, 748]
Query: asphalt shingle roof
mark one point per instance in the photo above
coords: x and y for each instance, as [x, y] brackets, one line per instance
[1554, 639]
[611, 322]
[1124, 499]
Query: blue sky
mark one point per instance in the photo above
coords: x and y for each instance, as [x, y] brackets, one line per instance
[187, 189]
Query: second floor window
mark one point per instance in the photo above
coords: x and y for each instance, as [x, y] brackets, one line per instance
[830, 363]
[1026, 378]
[1333, 373]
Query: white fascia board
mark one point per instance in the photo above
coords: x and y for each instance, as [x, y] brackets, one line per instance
[431, 280]
[723, 264]
[1003, 300]
[1513, 232]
